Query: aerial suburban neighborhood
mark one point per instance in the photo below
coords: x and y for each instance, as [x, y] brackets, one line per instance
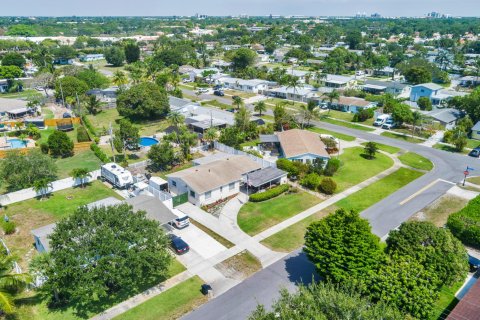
[289, 161]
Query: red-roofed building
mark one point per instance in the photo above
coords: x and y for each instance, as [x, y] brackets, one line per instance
[469, 307]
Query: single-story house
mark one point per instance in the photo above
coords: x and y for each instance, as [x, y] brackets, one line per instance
[387, 72]
[469, 81]
[352, 104]
[468, 306]
[393, 87]
[253, 86]
[424, 90]
[13, 108]
[213, 181]
[63, 61]
[179, 103]
[3, 85]
[155, 210]
[105, 95]
[298, 145]
[446, 117]
[200, 73]
[92, 57]
[476, 131]
[266, 177]
[339, 82]
[299, 94]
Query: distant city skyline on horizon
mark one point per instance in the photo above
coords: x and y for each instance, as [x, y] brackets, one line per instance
[387, 8]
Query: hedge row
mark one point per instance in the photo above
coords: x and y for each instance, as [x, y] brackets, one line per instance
[99, 153]
[465, 224]
[89, 126]
[270, 193]
[82, 134]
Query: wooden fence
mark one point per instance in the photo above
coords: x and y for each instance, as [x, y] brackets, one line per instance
[48, 122]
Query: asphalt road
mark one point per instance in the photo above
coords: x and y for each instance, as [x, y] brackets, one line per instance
[388, 214]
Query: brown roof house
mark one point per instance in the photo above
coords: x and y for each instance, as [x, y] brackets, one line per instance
[212, 181]
[469, 305]
[298, 145]
[353, 104]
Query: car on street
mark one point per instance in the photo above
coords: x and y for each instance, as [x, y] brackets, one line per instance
[178, 244]
[218, 93]
[475, 153]
[181, 222]
[202, 90]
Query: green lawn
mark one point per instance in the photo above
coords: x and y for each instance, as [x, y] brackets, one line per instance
[335, 114]
[33, 306]
[254, 217]
[272, 102]
[217, 104]
[355, 168]
[416, 161]
[337, 135]
[103, 119]
[292, 237]
[446, 301]
[45, 133]
[47, 113]
[24, 95]
[444, 147]
[472, 143]
[226, 243]
[402, 137]
[171, 304]
[346, 124]
[82, 159]
[385, 147]
[251, 143]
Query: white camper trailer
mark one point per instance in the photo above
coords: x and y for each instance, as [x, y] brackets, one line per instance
[116, 175]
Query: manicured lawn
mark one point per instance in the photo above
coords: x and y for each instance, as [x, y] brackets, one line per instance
[24, 95]
[474, 180]
[272, 102]
[132, 157]
[444, 147]
[217, 104]
[337, 135]
[446, 301]
[346, 124]
[385, 147]
[254, 217]
[292, 237]
[355, 168]
[402, 137]
[47, 132]
[82, 159]
[416, 161]
[171, 304]
[335, 114]
[103, 119]
[33, 213]
[472, 143]
[212, 234]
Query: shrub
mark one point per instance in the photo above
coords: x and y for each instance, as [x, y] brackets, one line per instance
[363, 115]
[269, 194]
[465, 224]
[332, 166]
[44, 147]
[88, 125]
[9, 227]
[294, 169]
[82, 135]
[327, 186]
[60, 144]
[311, 181]
[99, 153]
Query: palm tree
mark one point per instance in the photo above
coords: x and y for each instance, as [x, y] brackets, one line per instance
[10, 283]
[210, 135]
[93, 105]
[416, 119]
[41, 186]
[175, 118]
[120, 79]
[309, 112]
[294, 83]
[238, 101]
[260, 107]
[332, 96]
[82, 174]
[23, 138]
[242, 118]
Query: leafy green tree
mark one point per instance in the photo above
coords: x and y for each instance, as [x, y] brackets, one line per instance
[325, 301]
[10, 72]
[424, 103]
[21, 30]
[354, 39]
[60, 144]
[238, 101]
[162, 155]
[132, 52]
[404, 283]
[127, 134]
[311, 181]
[93, 78]
[242, 118]
[260, 107]
[10, 283]
[120, 79]
[99, 252]
[370, 149]
[327, 186]
[42, 186]
[417, 75]
[19, 171]
[143, 101]
[435, 248]
[70, 87]
[81, 174]
[342, 246]
[14, 59]
[242, 58]
[232, 137]
[465, 224]
[402, 113]
[115, 56]
[64, 52]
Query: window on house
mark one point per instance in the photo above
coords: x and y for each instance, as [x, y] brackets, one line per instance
[208, 194]
[192, 193]
[221, 189]
[174, 183]
[231, 186]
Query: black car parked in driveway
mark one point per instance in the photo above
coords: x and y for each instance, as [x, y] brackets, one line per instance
[178, 245]
[218, 93]
[475, 153]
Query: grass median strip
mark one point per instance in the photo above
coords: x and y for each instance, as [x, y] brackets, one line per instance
[212, 234]
[402, 137]
[171, 304]
[385, 148]
[347, 124]
[254, 217]
[416, 161]
[337, 135]
[292, 237]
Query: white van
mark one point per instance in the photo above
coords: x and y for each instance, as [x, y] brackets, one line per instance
[381, 119]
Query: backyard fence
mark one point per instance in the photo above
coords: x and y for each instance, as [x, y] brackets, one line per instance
[224, 148]
[180, 199]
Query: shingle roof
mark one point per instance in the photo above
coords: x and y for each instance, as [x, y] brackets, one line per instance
[258, 178]
[297, 142]
[215, 174]
[353, 101]
[387, 84]
[154, 208]
[11, 104]
[42, 233]
[430, 85]
[445, 115]
[469, 306]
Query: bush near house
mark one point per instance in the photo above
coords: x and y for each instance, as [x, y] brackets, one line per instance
[270, 193]
[327, 186]
[465, 224]
[99, 153]
[311, 181]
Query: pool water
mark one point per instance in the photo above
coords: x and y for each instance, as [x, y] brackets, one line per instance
[17, 143]
[147, 141]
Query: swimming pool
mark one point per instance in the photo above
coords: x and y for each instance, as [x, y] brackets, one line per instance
[17, 143]
[147, 141]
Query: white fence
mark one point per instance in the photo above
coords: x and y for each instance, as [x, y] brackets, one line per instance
[224, 148]
[58, 185]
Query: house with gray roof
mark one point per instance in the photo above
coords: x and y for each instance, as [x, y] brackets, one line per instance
[252, 86]
[393, 87]
[476, 131]
[446, 117]
[339, 82]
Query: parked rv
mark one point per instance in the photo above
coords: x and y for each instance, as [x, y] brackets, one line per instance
[116, 175]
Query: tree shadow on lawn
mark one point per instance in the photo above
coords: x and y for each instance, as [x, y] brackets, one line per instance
[367, 157]
[300, 270]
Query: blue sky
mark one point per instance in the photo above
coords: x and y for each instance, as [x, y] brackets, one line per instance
[229, 7]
